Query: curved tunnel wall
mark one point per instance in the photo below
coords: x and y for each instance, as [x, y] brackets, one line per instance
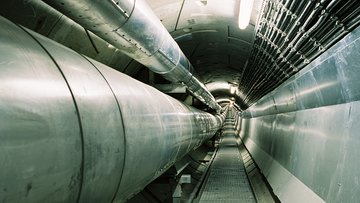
[74, 130]
[305, 134]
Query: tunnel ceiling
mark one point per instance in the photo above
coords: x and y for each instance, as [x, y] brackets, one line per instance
[283, 36]
[208, 33]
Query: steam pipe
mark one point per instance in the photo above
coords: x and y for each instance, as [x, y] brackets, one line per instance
[134, 29]
[73, 130]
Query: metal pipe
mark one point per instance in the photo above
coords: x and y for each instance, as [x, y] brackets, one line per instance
[134, 29]
[74, 130]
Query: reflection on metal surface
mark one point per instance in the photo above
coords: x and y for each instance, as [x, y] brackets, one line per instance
[137, 32]
[74, 130]
[304, 135]
[330, 79]
[290, 34]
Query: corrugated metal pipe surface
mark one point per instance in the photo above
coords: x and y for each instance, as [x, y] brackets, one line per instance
[133, 28]
[74, 130]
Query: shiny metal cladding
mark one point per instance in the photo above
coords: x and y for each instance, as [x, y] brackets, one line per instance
[133, 28]
[305, 134]
[74, 130]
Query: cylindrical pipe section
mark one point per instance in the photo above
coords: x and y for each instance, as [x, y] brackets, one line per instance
[237, 123]
[133, 28]
[74, 130]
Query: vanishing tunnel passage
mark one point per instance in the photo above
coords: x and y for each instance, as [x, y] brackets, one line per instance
[227, 178]
[125, 101]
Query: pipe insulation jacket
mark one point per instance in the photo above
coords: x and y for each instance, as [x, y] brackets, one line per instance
[133, 28]
[74, 130]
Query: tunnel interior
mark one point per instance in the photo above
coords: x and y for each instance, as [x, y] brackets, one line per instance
[291, 79]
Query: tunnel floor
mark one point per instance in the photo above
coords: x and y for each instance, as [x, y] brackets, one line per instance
[221, 171]
[227, 180]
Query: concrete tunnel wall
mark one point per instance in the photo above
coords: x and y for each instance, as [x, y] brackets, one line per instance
[304, 135]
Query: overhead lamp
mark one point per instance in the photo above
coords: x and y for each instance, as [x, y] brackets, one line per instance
[245, 13]
[233, 89]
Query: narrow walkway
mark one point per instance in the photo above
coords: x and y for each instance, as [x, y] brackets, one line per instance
[227, 180]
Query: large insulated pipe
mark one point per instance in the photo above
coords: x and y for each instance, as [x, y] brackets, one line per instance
[74, 130]
[133, 28]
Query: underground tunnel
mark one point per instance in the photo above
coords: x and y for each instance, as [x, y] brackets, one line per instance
[179, 101]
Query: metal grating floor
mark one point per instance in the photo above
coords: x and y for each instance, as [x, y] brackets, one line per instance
[227, 180]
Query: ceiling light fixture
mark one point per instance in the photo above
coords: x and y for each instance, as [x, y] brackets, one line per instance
[245, 13]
